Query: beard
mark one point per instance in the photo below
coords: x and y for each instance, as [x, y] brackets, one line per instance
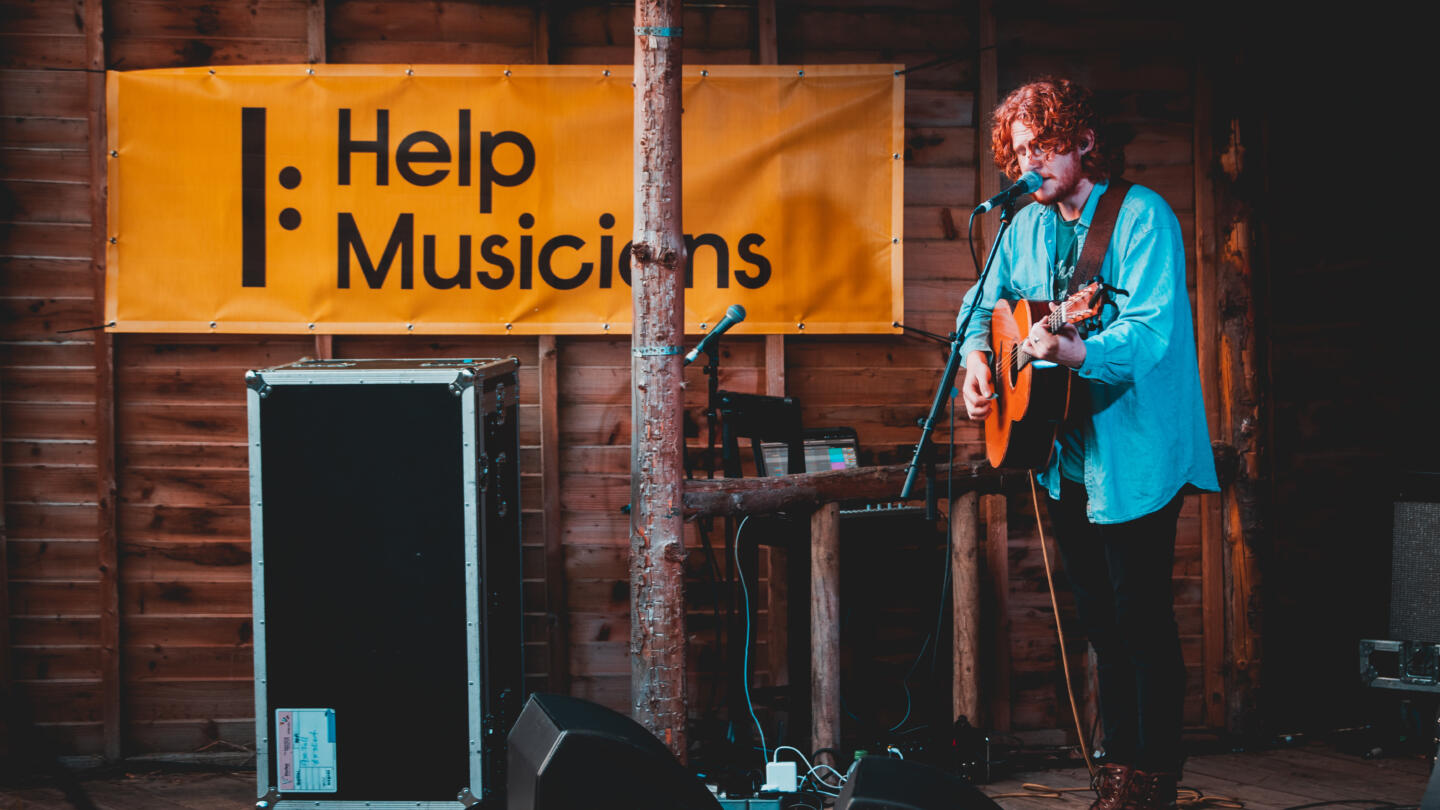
[1059, 187]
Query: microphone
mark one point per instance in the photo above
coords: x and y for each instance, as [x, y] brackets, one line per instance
[1027, 184]
[733, 315]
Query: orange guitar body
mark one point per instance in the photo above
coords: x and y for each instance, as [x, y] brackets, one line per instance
[1031, 402]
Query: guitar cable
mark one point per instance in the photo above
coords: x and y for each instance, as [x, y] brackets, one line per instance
[1060, 633]
[1188, 797]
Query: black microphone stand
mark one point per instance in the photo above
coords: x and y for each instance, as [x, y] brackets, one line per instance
[712, 404]
[712, 412]
[721, 599]
[932, 511]
[952, 366]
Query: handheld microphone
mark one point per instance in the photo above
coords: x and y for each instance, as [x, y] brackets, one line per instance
[1028, 183]
[733, 315]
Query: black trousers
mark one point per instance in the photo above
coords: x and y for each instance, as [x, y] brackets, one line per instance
[1120, 575]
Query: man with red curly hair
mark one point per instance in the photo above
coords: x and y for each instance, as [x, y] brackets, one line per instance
[1136, 439]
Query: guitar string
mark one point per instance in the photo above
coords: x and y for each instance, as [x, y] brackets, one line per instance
[1012, 358]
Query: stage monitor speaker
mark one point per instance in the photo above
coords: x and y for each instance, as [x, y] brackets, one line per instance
[567, 753]
[1431, 799]
[1415, 561]
[883, 783]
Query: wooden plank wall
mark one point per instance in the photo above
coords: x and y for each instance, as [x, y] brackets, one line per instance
[50, 392]
[182, 524]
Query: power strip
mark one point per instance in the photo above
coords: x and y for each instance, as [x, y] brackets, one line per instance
[781, 777]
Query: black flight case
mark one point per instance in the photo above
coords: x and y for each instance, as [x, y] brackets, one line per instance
[385, 535]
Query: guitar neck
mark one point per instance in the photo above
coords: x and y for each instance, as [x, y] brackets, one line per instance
[1056, 320]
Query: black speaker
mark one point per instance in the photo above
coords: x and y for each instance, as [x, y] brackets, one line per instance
[883, 783]
[567, 753]
[1431, 799]
[1415, 560]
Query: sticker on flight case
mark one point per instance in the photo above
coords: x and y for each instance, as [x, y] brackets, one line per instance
[306, 750]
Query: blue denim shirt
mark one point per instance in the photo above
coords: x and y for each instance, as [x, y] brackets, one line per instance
[1146, 435]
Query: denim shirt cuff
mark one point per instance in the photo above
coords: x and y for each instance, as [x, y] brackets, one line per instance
[1094, 359]
[973, 344]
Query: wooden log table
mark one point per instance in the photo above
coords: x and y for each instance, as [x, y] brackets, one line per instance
[820, 494]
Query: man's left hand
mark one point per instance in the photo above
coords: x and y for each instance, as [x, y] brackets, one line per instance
[1064, 347]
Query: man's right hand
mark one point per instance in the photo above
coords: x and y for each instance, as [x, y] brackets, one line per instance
[976, 390]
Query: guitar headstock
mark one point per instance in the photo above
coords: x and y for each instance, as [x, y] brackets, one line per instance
[1083, 305]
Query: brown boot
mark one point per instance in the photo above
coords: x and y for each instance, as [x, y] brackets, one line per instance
[1112, 784]
[1151, 790]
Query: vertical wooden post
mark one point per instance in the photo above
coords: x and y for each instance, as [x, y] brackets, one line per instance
[4, 599]
[986, 97]
[315, 54]
[1241, 406]
[1207, 333]
[997, 567]
[543, 19]
[768, 51]
[555, 588]
[965, 571]
[776, 586]
[987, 181]
[775, 366]
[315, 32]
[778, 597]
[108, 543]
[825, 628]
[657, 550]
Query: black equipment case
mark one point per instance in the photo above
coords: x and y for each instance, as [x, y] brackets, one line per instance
[385, 534]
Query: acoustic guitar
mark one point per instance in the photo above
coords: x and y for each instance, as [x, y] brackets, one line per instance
[1032, 398]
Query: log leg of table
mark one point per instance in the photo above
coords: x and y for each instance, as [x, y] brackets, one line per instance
[825, 628]
[777, 600]
[965, 571]
[997, 573]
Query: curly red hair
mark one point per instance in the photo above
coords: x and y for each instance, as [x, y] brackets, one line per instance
[1061, 115]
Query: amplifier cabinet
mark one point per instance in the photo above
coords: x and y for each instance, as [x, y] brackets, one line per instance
[385, 535]
[1415, 560]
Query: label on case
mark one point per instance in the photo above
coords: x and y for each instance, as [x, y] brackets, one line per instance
[305, 750]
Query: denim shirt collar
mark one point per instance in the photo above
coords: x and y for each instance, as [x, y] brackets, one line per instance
[1088, 212]
[1052, 213]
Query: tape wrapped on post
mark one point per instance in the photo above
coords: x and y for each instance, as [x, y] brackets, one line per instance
[655, 31]
[655, 351]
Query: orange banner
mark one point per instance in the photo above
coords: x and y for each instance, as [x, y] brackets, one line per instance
[485, 199]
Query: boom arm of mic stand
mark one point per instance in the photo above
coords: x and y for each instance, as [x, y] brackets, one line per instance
[952, 366]
[942, 339]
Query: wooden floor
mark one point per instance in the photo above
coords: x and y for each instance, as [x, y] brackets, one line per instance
[1270, 780]
[1267, 780]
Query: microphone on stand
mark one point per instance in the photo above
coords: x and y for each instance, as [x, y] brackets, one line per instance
[735, 314]
[1028, 183]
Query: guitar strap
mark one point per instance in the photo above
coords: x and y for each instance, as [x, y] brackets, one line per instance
[1097, 241]
[1092, 256]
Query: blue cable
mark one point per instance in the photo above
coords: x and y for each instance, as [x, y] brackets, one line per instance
[764, 752]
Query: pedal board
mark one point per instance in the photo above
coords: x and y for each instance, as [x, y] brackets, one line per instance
[750, 804]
